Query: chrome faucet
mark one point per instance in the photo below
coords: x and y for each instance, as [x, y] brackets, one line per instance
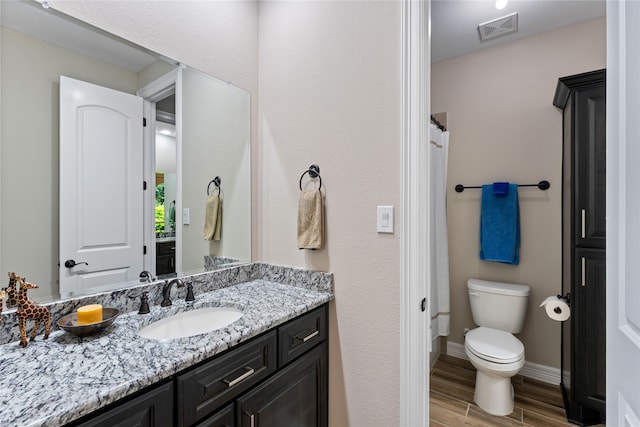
[166, 291]
[145, 276]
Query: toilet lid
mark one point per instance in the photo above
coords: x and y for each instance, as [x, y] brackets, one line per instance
[494, 345]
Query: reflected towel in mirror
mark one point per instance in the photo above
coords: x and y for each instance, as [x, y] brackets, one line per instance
[213, 218]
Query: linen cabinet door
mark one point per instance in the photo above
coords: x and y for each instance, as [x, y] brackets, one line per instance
[588, 313]
[296, 396]
[590, 167]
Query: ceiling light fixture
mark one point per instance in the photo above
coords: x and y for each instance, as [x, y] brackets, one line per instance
[501, 4]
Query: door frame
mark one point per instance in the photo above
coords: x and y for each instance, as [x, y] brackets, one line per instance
[416, 203]
[155, 91]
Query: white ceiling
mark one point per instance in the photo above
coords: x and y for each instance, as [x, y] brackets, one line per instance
[454, 23]
[454, 27]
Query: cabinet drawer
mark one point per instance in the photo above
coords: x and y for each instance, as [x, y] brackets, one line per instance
[206, 388]
[301, 334]
[165, 248]
[152, 408]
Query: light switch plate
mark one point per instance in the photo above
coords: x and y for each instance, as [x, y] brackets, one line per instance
[385, 219]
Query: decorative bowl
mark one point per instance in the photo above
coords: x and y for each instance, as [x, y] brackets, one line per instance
[70, 322]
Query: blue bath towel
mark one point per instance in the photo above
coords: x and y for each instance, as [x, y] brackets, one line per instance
[500, 225]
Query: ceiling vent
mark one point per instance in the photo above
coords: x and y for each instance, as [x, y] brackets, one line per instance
[498, 27]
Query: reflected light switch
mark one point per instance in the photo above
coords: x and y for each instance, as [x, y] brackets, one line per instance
[385, 219]
[185, 216]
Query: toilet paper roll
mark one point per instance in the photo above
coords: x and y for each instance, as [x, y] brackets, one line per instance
[556, 308]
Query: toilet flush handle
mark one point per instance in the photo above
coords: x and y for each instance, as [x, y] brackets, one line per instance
[474, 294]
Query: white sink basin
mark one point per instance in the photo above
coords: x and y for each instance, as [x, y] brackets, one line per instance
[190, 323]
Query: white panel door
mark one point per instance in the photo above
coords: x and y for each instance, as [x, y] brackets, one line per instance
[101, 194]
[623, 211]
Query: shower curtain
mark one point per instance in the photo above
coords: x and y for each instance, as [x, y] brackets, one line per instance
[439, 150]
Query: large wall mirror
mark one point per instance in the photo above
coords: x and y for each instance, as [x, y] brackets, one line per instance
[198, 129]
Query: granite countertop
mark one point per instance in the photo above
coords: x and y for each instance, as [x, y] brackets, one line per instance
[55, 381]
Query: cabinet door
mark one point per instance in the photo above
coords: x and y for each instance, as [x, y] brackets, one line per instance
[588, 313]
[165, 264]
[590, 161]
[153, 409]
[295, 396]
[223, 418]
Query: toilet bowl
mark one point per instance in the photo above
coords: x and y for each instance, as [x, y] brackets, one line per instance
[499, 310]
[497, 356]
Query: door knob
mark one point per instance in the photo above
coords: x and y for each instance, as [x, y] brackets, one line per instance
[71, 263]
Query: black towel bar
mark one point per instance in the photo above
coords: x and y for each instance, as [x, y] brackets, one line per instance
[215, 181]
[542, 185]
[314, 172]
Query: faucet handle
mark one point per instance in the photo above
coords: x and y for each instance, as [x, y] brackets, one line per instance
[144, 302]
[190, 296]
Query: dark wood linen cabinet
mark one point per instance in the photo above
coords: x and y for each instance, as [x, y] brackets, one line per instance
[582, 98]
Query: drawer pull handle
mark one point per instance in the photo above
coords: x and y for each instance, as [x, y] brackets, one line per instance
[584, 282]
[252, 420]
[242, 377]
[583, 230]
[310, 336]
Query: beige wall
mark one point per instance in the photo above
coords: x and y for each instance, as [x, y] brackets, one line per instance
[504, 127]
[330, 93]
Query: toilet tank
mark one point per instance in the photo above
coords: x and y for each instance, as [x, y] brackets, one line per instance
[498, 305]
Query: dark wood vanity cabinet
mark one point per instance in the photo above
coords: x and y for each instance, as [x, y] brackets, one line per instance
[279, 378]
[582, 99]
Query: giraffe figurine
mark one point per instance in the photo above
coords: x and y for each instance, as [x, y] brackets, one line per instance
[30, 310]
[12, 293]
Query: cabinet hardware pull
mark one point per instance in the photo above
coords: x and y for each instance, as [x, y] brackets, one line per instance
[308, 337]
[242, 377]
[584, 283]
[252, 420]
[584, 221]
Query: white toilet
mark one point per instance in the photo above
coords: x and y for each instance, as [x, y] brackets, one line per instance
[499, 309]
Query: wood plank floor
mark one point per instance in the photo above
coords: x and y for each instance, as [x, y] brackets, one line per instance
[452, 382]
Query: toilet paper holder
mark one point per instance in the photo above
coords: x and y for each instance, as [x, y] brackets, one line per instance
[566, 298]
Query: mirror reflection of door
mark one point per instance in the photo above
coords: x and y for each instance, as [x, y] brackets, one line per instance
[101, 200]
[165, 202]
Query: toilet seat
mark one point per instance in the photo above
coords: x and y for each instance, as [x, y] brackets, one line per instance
[494, 345]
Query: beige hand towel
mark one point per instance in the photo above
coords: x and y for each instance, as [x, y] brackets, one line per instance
[310, 220]
[213, 218]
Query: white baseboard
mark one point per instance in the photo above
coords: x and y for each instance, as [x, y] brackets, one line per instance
[535, 371]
